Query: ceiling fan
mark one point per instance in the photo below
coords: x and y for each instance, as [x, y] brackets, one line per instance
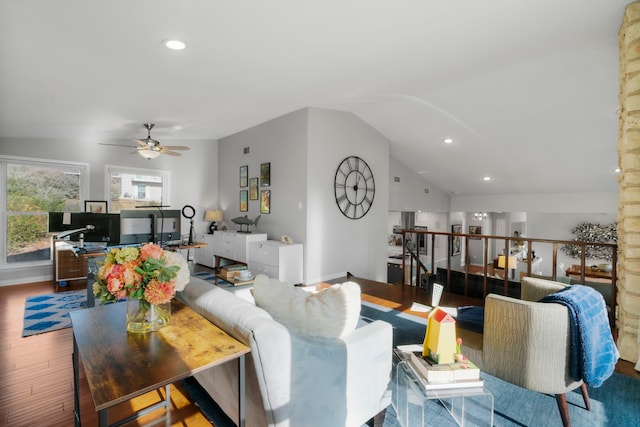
[150, 148]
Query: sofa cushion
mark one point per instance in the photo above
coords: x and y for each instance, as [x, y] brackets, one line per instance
[330, 313]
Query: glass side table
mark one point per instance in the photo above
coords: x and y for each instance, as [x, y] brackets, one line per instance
[416, 406]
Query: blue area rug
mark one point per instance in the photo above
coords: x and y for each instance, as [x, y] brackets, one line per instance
[616, 403]
[50, 312]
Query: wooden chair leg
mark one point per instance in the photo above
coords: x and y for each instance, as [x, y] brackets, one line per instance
[585, 396]
[561, 399]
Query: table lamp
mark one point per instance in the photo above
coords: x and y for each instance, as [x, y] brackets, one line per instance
[213, 217]
[511, 264]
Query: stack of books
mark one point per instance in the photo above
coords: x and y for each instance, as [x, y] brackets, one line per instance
[229, 272]
[444, 375]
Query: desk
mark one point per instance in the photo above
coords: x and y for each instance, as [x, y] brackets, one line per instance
[575, 270]
[120, 366]
[70, 265]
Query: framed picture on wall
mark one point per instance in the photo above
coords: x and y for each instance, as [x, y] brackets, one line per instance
[265, 174]
[265, 201]
[475, 229]
[95, 206]
[456, 241]
[244, 176]
[244, 203]
[253, 189]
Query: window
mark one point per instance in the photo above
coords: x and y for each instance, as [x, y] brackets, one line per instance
[131, 188]
[141, 193]
[32, 189]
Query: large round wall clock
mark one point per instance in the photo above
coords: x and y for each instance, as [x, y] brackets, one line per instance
[354, 187]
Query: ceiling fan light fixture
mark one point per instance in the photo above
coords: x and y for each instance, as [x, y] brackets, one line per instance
[148, 154]
[174, 44]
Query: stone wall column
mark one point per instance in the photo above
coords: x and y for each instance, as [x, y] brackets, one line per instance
[628, 272]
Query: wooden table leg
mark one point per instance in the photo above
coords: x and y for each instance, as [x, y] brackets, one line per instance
[241, 392]
[76, 382]
[103, 418]
[216, 271]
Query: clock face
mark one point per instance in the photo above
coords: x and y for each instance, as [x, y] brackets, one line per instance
[354, 187]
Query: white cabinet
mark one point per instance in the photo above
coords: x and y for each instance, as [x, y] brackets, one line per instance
[233, 245]
[278, 260]
[204, 255]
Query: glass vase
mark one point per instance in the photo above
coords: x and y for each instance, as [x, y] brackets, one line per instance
[144, 317]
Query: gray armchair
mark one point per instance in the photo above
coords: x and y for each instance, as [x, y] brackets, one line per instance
[527, 343]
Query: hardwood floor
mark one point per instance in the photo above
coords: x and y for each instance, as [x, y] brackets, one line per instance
[36, 377]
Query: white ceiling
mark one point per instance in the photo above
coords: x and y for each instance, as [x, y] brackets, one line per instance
[527, 89]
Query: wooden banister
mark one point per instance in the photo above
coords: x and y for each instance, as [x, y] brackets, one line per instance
[421, 269]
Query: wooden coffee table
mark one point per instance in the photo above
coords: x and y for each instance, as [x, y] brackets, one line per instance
[120, 366]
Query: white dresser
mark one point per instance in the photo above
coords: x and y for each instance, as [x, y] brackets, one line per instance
[204, 255]
[232, 245]
[278, 260]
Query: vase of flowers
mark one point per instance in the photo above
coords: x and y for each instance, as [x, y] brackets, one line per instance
[147, 319]
[148, 278]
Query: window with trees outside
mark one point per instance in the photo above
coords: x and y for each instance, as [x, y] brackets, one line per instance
[32, 189]
[132, 188]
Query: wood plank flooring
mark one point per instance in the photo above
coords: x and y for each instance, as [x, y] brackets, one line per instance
[36, 377]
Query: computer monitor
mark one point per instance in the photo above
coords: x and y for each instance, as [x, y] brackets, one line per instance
[149, 225]
[106, 227]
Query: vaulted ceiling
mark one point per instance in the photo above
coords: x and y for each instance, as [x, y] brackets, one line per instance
[526, 89]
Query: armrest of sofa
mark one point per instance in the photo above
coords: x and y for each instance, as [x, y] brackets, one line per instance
[527, 344]
[369, 364]
[335, 374]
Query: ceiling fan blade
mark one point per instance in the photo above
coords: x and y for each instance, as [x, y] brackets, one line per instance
[176, 147]
[116, 145]
[171, 153]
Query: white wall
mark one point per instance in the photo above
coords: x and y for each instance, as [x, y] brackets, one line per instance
[283, 143]
[336, 244]
[305, 148]
[193, 178]
[409, 195]
[545, 203]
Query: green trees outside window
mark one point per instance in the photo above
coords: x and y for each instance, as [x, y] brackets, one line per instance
[33, 190]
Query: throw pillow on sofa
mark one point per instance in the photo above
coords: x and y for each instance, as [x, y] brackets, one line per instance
[330, 313]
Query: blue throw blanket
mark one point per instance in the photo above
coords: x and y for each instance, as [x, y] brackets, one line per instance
[593, 354]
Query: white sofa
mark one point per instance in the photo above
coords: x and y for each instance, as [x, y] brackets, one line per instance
[294, 380]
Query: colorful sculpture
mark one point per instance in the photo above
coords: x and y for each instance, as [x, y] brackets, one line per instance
[440, 340]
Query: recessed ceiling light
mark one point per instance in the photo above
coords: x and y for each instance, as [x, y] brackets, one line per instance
[448, 141]
[617, 170]
[486, 178]
[174, 44]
